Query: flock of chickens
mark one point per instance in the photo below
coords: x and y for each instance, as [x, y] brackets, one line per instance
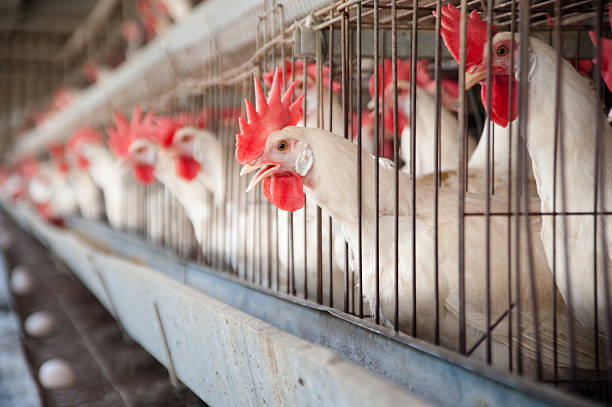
[300, 167]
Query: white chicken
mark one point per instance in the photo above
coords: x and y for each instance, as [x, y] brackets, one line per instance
[304, 237]
[88, 195]
[295, 159]
[50, 192]
[425, 118]
[575, 177]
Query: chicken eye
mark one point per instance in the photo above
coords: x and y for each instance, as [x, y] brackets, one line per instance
[502, 51]
[282, 146]
[141, 150]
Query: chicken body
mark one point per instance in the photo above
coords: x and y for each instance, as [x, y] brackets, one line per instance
[87, 194]
[121, 194]
[426, 136]
[334, 155]
[575, 179]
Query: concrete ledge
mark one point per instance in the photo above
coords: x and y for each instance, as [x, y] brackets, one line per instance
[224, 355]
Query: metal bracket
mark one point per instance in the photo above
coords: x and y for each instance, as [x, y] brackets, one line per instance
[108, 296]
[171, 371]
[304, 42]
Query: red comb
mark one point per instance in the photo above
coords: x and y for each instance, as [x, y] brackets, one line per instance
[476, 34]
[273, 114]
[605, 56]
[86, 134]
[125, 133]
[311, 72]
[163, 130]
[403, 74]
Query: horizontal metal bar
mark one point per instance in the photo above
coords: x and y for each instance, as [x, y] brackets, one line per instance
[304, 46]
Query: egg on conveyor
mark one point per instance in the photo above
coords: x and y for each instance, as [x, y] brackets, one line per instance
[21, 281]
[56, 374]
[39, 324]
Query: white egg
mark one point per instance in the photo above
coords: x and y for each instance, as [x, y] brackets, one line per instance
[56, 374]
[21, 281]
[39, 324]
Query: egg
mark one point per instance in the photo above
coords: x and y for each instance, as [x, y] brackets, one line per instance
[56, 374]
[39, 324]
[21, 281]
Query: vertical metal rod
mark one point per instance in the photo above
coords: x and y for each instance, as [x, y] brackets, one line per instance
[487, 191]
[523, 120]
[600, 202]
[396, 161]
[509, 202]
[349, 276]
[345, 110]
[557, 46]
[376, 167]
[437, 62]
[320, 125]
[281, 17]
[359, 158]
[330, 96]
[413, 130]
[291, 241]
[462, 126]
[305, 87]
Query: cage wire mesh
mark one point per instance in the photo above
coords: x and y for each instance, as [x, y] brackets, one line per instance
[487, 236]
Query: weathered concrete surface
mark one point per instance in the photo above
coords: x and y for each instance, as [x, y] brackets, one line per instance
[224, 355]
[17, 387]
[437, 375]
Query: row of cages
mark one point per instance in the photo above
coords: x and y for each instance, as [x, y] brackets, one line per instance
[402, 202]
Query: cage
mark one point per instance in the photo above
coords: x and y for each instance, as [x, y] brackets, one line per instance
[402, 204]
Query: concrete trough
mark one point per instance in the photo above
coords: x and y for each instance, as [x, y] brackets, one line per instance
[222, 354]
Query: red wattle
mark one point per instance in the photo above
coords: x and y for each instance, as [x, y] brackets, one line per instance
[144, 173]
[500, 89]
[82, 163]
[402, 121]
[285, 191]
[187, 167]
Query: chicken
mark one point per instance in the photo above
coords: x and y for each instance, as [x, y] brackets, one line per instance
[190, 164]
[605, 53]
[134, 146]
[87, 194]
[425, 119]
[120, 199]
[50, 193]
[304, 237]
[578, 110]
[291, 160]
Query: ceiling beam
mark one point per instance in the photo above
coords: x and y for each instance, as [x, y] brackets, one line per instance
[95, 21]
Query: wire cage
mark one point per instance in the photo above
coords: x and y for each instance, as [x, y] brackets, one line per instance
[486, 234]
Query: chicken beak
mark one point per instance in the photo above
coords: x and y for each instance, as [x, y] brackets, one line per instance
[403, 85]
[248, 168]
[474, 78]
[266, 170]
[371, 104]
